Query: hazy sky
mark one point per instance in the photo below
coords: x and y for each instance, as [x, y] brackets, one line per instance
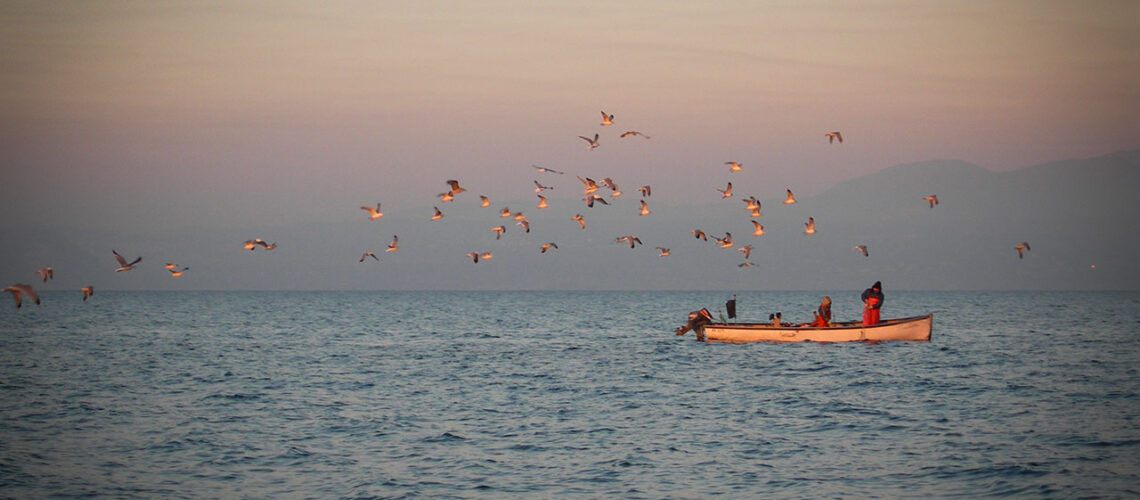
[133, 116]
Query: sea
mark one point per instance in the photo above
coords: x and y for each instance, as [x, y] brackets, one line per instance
[563, 394]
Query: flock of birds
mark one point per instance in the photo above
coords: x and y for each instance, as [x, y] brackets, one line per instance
[591, 197]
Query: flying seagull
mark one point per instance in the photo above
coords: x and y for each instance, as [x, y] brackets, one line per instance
[833, 136]
[725, 242]
[123, 265]
[932, 199]
[373, 213]
[581, 221]
[475, 256]
[177, 273]
[633, 133]
[21, 288]
[592, 198]
[726, 192]
[591, 186]
[547, 246]
[791, 199]
[46, 273]
[733, 166]
[809, 226]
[394, 245]
[455, 189]
[1021, 249]
[546, 170]
[644, 209]
[662, 252]
[87, 292]
[593, 143]
[862, 249]
[607, 120]
[757, 229]
[365, 255]
[632, 240]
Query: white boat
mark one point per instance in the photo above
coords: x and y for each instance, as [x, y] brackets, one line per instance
[915, 328]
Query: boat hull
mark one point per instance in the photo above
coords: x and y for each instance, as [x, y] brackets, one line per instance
[915, 328]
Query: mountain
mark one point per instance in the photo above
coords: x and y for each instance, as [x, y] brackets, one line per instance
[1075, 214]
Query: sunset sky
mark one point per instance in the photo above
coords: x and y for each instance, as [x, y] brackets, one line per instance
[133, 116]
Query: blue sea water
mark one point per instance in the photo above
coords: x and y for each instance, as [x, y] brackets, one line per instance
[562, 394]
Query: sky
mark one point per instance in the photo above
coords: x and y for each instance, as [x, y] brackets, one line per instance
[141, 119]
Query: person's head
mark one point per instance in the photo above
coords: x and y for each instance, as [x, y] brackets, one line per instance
[877, 286]
[826, 301]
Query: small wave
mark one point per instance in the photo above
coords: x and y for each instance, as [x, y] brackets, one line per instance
[294, 451]
[1114, 444]
[446, 437]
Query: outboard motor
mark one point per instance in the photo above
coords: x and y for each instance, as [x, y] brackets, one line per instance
[697, 321]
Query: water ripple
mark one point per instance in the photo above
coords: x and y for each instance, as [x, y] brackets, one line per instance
[374, 395]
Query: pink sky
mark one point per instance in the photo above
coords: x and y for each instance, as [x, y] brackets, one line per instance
[290, 110]
[374, 84]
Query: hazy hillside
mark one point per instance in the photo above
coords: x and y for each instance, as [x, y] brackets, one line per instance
[1075, 214]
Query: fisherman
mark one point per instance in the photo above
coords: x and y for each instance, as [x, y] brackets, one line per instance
[824, 310]
[697, 321]
[872, 302]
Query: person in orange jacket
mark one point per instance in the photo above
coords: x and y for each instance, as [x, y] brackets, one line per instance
[872, 303]
[824, 310]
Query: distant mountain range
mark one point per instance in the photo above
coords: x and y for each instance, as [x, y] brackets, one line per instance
[1078, 216]
[1075, 214]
